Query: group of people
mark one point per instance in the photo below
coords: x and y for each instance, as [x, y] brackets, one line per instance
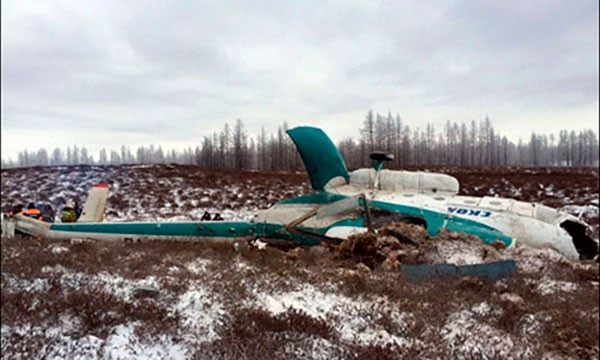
[44, 212]
[71, 212]
[206, 217]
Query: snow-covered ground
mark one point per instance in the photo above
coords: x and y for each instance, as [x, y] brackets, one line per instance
[200, 298]
[88, 300]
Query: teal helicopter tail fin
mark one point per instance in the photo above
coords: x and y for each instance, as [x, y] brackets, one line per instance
[321, 158]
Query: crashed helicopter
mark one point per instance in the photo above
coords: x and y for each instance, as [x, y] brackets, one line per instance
[346, 203]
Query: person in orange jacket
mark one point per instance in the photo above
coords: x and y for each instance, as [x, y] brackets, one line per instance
[32, 212]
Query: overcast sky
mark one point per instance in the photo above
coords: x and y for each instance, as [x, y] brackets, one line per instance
[105, 73]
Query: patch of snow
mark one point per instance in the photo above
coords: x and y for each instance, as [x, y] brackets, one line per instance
[531, 260]
[260, 245]
[62, 342]
[303, 300]
[464, 259]
[460, 253]
[57, 269]
[529, 326]
[57, 249]
[351, 323]
[200, 311]
[123, 344]
[20, 284]
[113, 284]
[177, 218]
[482, 309]
[466, 336]
[315, 348]
[66, 347]
[242, 266]
[367, 335]
[550, 287]
[586, 211]
[173, 270]
[198, 266]
[69, 323]
[512, 298]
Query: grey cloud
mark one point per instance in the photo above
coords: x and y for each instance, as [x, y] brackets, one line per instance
[140, 66]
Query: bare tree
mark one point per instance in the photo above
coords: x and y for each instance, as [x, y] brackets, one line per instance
[368, 131]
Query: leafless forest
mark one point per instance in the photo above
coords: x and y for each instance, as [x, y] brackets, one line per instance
[474, 143]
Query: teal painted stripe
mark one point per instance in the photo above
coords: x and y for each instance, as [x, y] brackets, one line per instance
[484, 232]
[356, 222]
[279, 232]
[199, 229]
[436, 221]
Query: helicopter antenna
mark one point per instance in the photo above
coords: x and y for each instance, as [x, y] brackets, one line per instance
[380, 157]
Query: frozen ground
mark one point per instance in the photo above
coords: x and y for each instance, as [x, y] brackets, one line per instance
[145, 192]
[92, 300]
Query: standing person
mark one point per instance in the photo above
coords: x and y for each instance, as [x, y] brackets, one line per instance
[17, 209]
[67, 214]
[48, 213]
[218, 217]
[77, 209]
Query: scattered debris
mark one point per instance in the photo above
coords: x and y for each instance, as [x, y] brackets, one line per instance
[260, 245]
[294, 253]
[385, 247]
[363, 269]
[145, 291]
[57, 250]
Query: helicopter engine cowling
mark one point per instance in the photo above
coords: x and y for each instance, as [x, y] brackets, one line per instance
[406, 181]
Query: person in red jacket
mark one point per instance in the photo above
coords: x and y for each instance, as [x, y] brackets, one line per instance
[17, 209]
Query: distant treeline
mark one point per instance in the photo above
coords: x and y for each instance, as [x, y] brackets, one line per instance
[473, 143]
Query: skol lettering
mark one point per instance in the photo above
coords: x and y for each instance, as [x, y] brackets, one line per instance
[469, 212]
